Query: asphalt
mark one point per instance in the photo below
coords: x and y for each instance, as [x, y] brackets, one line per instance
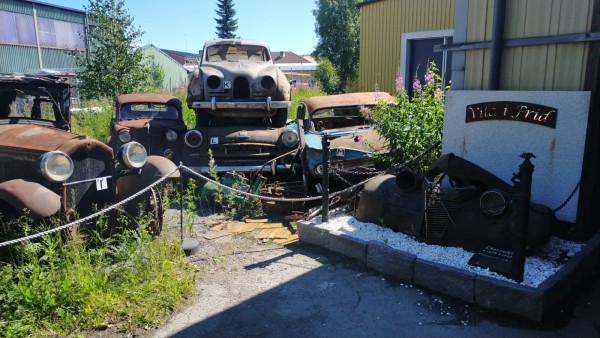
[302, 290]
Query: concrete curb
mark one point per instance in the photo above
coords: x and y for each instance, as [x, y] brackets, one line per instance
[487, 292]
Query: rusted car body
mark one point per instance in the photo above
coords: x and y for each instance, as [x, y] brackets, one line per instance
[473, 208]
[237, 82]
[354, 142]
[49, 170]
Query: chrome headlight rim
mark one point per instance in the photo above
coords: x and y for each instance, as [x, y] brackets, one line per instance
[171, 135]
[128, 153]
[124, 136]
[188, 141]
[48, 170]
[290, 138]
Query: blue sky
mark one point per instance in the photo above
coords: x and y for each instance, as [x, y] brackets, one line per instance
[184, 25]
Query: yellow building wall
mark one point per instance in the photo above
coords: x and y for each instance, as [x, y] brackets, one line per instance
[541, 67]
[382, 24]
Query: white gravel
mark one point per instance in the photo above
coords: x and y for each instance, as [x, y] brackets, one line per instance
[537, 268]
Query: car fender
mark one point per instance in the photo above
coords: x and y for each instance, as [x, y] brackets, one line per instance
[155, 168]
[21, 194]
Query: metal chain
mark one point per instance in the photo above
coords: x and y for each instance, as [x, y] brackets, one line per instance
[87, 218]
[569, 197]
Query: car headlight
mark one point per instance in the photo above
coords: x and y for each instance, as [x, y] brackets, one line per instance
[193, 138]
[213, 82]
[267, 82]
[290, 138]
[124, 136]
[171, 135]
[132, 155]
[56, 166]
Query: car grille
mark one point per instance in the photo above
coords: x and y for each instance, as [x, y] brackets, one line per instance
[241, 88]
[244, 153]
[82, 194]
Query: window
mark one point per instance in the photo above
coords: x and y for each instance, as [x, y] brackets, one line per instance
[19, 29]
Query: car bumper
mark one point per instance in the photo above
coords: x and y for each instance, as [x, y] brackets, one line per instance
[266, 105]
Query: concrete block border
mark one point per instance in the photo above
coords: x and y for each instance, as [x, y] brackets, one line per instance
[487, 292]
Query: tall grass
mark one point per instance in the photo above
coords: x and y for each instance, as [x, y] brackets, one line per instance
[58, 287]
[299, 94]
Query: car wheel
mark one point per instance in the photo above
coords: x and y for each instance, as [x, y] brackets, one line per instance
[280, 117]
[155, 208]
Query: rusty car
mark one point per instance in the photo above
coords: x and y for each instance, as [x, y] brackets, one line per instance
[153, 120]
[353, 142]
[47, 170]
[237, 82]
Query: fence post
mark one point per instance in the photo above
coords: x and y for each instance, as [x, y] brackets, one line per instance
[325, 177]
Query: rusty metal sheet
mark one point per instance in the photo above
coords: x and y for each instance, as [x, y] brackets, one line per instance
[28, 136]
[149, 98]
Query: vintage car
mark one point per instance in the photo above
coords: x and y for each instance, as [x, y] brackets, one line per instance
[49, 170]
[353, 142]
[153, 120]
[237, 82]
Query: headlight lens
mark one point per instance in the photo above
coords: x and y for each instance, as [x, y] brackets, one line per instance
[133, 155]
[290, 138]
[124, 136]
[193, 138]
[213, 82]
[56, 166]
[267, 82]
[171, 135]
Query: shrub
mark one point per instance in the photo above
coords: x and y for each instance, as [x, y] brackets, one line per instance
[415, 123]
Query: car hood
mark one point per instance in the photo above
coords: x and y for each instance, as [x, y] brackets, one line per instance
[365, 139]
[41, 138]
[247, 68]
[250, 134]
[143, 123]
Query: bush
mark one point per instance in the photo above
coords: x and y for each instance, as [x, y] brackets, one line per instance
[415, 123]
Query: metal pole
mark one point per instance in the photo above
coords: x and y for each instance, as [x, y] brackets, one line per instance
[497, 42]
[524, 196]
[325, 180]
[181, 201]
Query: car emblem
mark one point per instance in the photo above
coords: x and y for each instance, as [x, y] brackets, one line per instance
[214, 140]
[226, 84]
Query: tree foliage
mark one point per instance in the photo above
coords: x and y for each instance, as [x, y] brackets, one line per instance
[113, 65]
[327, 77]
[338, 30]
[226, 24]
[413, 124]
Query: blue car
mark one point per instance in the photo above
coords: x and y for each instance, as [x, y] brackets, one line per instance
[353, 141]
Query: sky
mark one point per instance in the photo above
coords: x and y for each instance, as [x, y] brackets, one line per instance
[184, 25]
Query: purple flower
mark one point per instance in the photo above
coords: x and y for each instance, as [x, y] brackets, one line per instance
[416, 85]
[399, 84]
[364, 111]
[358, 138]
[428, 78]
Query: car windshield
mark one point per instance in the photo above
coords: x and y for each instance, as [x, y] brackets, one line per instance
[338, 117]
[218, 53]
[148, 111]
[21, 105]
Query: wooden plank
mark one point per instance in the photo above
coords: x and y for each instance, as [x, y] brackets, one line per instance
[217, 234]
[262, 220]
[240, 227]
[273, 233]
[283, 241]
[269, 225]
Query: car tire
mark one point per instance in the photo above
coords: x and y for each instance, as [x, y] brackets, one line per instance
[280, 117]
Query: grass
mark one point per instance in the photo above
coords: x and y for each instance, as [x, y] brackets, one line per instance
[59, 287]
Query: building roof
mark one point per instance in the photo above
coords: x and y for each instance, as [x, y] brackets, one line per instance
[163, 53]
[287, 57]
[55, 6]
[183, 54]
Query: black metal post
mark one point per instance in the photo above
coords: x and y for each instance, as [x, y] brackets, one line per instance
[181, 200]
[325, 180]
[497, 42]
[524, 196]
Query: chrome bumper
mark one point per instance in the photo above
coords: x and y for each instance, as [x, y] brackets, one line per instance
[267, 105]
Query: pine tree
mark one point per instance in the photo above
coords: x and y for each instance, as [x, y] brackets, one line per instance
[226, 24]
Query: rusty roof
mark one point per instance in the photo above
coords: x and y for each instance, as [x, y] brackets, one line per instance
[149, 98]
[346, 100]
